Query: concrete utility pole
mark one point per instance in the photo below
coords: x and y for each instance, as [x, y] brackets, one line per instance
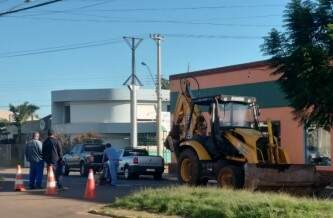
[158, 38]
[133, 43]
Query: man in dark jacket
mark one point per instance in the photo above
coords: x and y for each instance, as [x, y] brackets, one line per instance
[33, 154]
[52, 155]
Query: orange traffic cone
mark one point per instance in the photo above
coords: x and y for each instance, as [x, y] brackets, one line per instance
[51, 183]
[19, 186]
[90, 192]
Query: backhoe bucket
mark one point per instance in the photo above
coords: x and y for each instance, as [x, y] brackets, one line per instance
[292, 178]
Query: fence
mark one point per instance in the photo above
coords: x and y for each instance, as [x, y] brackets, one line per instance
[11, 154]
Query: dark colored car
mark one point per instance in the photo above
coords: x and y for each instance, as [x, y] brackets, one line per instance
[84, 157]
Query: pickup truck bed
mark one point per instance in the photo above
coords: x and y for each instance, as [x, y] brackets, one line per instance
[136, 162]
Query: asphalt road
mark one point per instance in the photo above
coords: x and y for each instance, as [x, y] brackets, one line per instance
[70, 203]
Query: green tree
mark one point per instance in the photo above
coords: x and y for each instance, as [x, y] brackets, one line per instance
[302, 57]
[165, 84]
[21, 113]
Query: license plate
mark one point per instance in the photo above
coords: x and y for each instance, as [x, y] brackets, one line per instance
[150, 170]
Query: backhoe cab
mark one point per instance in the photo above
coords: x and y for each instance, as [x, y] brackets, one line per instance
[218, 137]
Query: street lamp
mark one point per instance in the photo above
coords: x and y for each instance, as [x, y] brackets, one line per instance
[149, 71]
[158, 112]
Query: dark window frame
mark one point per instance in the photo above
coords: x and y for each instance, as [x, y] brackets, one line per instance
[67, 114]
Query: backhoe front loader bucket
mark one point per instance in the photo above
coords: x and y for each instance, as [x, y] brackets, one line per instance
[292, 178]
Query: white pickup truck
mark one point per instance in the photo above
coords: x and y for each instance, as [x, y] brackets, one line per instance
[136, 162]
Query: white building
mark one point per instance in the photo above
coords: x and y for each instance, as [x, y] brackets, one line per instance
[106, 112]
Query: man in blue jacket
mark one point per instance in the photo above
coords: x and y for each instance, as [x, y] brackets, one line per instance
[33, 154]
[112, 156]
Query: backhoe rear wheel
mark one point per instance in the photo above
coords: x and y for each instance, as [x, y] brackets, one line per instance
[230, 176]
[189, 168]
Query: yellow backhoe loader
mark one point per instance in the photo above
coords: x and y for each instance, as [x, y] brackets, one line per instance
[218, 137]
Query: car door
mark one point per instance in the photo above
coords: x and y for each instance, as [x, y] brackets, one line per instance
[69, 157]
[77, 156]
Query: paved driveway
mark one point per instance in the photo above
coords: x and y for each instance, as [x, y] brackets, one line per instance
[69, 203]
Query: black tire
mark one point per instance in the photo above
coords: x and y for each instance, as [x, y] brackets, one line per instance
[189, 168]
[66, 170]
[83, 170]
[230, 176]
[158, 176]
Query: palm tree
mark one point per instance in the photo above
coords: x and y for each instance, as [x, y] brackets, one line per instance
[21, 113]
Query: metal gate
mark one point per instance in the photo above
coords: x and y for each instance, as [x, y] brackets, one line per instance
[5, 154]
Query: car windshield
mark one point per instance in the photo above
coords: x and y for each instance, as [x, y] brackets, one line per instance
[94, 148]
[234, 114]
[135, 153]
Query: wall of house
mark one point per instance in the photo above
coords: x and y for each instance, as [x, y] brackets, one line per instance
[100, 112]
[292, 134]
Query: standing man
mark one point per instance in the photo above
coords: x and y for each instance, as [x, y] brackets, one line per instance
[52, 155]
[33, 154]
[112, 156]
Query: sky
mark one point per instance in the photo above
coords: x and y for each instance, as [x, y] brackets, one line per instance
[77, 44]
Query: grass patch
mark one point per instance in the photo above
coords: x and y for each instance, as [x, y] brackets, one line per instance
[215, 202]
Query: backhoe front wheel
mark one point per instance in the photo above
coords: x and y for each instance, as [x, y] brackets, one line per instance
[230, 176]
[189, 168]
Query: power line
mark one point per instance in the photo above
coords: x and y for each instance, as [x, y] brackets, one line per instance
[59, 46]
[186, 8]
[113, 41]
[58, 50]
[201, 36]
[29, 7]
[92, 5]
[150, 21]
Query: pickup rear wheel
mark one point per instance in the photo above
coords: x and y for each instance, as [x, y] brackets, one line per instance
[127, 173]
[189, 168]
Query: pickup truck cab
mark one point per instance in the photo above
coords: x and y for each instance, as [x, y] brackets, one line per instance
[83, 157]
[136, 162]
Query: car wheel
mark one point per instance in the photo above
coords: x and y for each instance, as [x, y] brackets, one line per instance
[66, 170]
[127, 173]
[83, 170]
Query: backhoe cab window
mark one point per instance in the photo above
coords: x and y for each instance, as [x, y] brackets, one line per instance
[233, 114]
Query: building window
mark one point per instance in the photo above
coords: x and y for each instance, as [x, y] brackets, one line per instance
[147, 139]
[67, 117]
[318, 146]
